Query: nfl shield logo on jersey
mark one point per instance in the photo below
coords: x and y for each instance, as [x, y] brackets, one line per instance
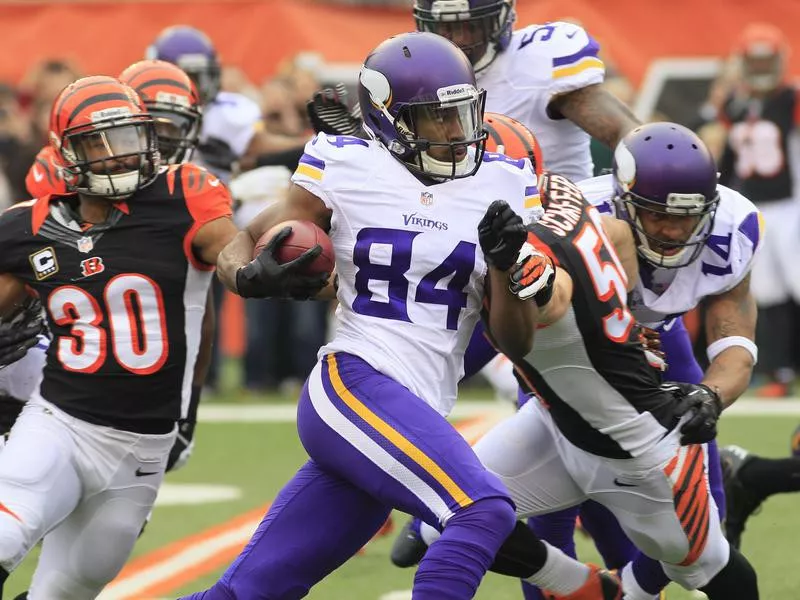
[426, 199]
[85, 244]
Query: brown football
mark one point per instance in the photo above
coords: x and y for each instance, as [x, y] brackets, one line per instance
[305, 235]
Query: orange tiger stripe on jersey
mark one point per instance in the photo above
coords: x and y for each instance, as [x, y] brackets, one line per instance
[45, 175]
[207, 199]
[691, 498]
[537, 243]
[517, 140]
[8, 511]
[171, 171]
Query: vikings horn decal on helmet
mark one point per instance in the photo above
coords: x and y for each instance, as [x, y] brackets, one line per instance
[171, 98]
[104, 137]
[481, 28]
[418, 96]
[666, 169]
[192, 51]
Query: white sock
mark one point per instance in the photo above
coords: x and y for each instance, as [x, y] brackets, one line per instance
[428, 533]
[560, 573]
[633, 590]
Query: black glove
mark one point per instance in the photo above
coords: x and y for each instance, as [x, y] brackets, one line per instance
[20, 332]
[330, 114]
[265, 277]
[184, 442]
[217, 154]
[705, 406]
[501, 234]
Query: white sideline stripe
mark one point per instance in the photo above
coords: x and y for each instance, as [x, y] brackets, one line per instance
[131, 587]
[286, 413]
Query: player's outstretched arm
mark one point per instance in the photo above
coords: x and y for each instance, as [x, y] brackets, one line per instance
[299, 204]
[559, 302]
[730, 329]
[212, 237]
[598, 112]
[511, 321]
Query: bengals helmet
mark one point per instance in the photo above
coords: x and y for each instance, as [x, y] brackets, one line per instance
[171, 98]
[762, 52]
[510, 137]
[104, 137]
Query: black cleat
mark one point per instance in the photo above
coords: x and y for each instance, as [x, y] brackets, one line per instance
[408, 548]
[740, 502]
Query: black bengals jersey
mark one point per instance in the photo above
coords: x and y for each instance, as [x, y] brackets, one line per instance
[124, 299]
[589, 367]
[757, 159]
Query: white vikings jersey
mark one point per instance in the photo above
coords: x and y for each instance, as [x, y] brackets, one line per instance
[725, 260]
[541, 62]
[411, 271]
[20, 379]
[233, 119]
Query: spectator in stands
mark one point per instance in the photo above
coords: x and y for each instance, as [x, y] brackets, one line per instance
[761, 115]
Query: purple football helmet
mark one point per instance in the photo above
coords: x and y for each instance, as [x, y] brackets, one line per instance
[192, 51]
[481, 28]
[664, 168]
[418, 96]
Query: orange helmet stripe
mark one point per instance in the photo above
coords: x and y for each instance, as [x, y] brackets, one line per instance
[517, 140]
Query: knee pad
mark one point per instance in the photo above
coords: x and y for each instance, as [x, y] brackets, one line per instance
[14, 542]
[494, 515]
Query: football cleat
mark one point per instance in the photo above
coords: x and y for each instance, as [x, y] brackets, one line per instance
[600, 585]
[741, 502]
[409, 547]
[796, 442]
[773, 389]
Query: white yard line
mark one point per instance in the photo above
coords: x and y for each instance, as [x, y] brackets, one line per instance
[285, 413]
[130, 588]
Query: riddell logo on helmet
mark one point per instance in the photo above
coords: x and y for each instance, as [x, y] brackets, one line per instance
[110, 113]
[456, 92]
[168, 98]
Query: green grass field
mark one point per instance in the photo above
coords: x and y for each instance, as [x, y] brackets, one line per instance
[259, 457]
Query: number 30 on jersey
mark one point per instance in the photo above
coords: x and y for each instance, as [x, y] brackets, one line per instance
[137, 328]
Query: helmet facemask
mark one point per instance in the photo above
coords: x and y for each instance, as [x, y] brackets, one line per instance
[112, 159]
[177, 129]
[205, 72]
[480, 32]
[662, 253]
[763, 72]
[443, 138]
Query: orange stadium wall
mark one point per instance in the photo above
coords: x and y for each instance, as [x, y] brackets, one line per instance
[104, 37]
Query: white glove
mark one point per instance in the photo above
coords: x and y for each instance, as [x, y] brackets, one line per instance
[533, 275]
